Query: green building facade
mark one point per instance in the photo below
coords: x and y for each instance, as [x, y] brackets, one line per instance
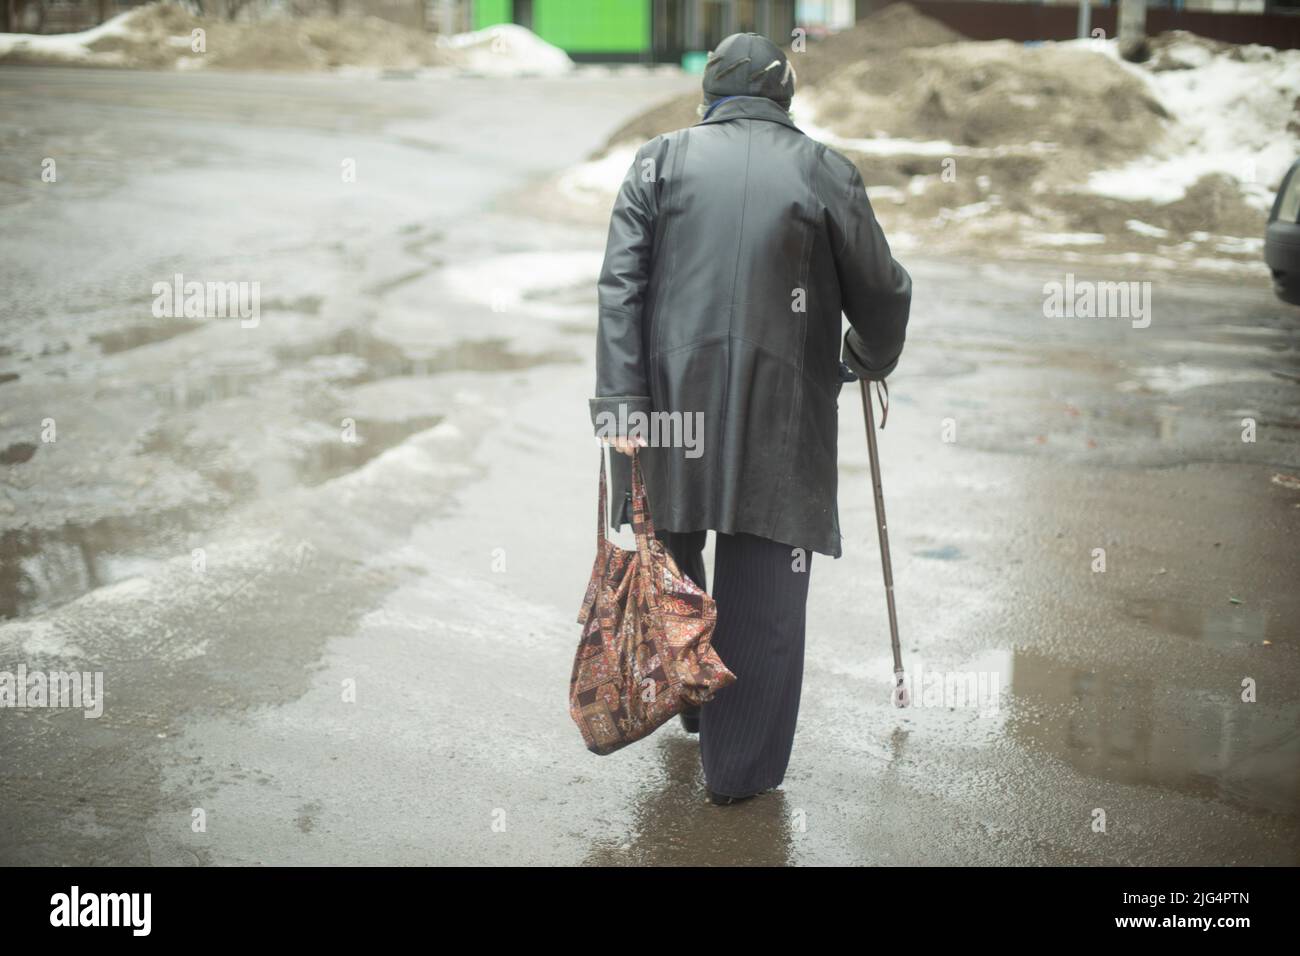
[639, 30]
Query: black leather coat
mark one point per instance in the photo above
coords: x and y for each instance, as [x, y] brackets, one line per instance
[733, 248]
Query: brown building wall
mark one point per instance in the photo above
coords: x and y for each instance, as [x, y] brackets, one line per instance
[1031, 21]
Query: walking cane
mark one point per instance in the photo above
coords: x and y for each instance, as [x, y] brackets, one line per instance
[900, 694]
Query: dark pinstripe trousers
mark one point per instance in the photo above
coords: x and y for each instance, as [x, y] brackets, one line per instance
[761, 589]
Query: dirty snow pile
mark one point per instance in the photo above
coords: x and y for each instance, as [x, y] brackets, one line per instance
[166, 36]
[64, 47]
[1058, 149]
[1234, 112]
[591, 183]
[505, 50]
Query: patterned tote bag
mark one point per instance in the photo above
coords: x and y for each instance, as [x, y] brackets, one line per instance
[646, 651]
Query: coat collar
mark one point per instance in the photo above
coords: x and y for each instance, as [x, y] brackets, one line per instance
[750, 107]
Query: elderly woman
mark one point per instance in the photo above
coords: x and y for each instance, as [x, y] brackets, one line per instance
[734, 246]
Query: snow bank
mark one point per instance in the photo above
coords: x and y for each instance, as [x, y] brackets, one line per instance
[70, 47]
[522, 282]
[596, 180]
[1230, 107]
[506, 49]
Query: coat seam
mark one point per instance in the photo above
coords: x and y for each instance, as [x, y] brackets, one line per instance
[848, 198]
[796, 407]
[731, 308]
[674, 175]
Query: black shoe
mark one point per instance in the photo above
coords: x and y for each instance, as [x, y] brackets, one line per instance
[722, 800]
[691, 720]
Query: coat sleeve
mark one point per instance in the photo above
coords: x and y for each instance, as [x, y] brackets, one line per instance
[875, 291]
[622, 385]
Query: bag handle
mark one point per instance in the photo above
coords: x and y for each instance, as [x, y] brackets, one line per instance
[642, 523]
[642, 526]
[602, 548]
[602, 513]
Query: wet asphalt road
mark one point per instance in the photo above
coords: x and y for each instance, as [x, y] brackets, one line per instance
[369, 662]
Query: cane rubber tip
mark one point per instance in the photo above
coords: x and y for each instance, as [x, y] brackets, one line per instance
[901, 696]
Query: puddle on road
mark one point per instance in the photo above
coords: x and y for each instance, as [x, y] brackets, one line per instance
[1184, 377]
[134, 336]
[383, 359]
[41, 569]
[1107, 724]
[1225, 626]
[947, 552]
[671, 827]
[323, 461]
[18, 453]
[218, 378]
[1160, 422]
[1124, 727]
